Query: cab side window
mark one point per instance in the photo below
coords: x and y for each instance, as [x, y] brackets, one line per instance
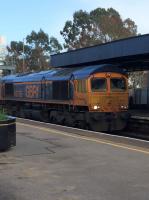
[9, 89]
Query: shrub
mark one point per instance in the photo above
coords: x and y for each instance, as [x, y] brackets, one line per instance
[3, 116]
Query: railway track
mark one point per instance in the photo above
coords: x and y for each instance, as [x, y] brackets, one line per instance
[138, 127]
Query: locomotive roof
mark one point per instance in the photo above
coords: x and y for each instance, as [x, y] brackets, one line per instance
[64, 73]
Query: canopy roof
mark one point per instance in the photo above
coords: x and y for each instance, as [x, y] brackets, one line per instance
[132, 53]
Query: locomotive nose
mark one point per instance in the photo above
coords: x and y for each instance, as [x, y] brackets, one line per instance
[109, 102]
[114, 103]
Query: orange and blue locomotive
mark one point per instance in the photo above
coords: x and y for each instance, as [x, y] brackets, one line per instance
[94, 96]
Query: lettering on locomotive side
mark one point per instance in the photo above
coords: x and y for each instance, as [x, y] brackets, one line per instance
[32, 91]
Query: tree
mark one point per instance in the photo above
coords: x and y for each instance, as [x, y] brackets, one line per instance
[136, 79]
[41, 48]
[55, 46]
[17, 51]
[35, 54]
[76, 33]
[98, 26]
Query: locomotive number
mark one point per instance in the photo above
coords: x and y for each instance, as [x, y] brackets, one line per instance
[32, 91]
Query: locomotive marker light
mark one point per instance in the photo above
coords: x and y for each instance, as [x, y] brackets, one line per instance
[124, 107]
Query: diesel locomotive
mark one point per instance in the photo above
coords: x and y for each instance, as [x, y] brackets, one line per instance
[94, 97]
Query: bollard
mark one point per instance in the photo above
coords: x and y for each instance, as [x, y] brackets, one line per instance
[7, 133]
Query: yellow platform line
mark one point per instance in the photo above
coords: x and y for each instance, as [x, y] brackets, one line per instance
[7, 124]
[100, 141]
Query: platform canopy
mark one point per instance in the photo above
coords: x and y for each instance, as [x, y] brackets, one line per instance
[132, 53]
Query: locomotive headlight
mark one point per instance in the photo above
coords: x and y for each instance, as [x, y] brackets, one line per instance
[95, 107]
[124, 107]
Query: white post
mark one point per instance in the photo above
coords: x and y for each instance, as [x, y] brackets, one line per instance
[23, 57]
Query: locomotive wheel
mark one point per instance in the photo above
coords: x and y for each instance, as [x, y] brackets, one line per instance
[53, 120]
[53, 117]
[81, 124]
[21, 114]
[87, 126]
[45, 116]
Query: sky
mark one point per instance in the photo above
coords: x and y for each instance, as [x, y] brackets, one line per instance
[19, 17]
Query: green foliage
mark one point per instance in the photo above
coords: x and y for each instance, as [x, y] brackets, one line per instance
[38, 40]
[136, 79]
[16, 52]
[35, 54]
[40, 50]
[98, 26]
[55, 46]
[2, 115]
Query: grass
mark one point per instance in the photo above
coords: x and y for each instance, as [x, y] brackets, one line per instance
[2, 115]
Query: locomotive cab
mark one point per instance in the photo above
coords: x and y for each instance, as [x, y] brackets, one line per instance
[108, 92]
[108, 101]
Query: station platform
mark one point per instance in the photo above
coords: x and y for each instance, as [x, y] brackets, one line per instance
[56, 164]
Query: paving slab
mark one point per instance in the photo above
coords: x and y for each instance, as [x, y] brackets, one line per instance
[47, 165]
